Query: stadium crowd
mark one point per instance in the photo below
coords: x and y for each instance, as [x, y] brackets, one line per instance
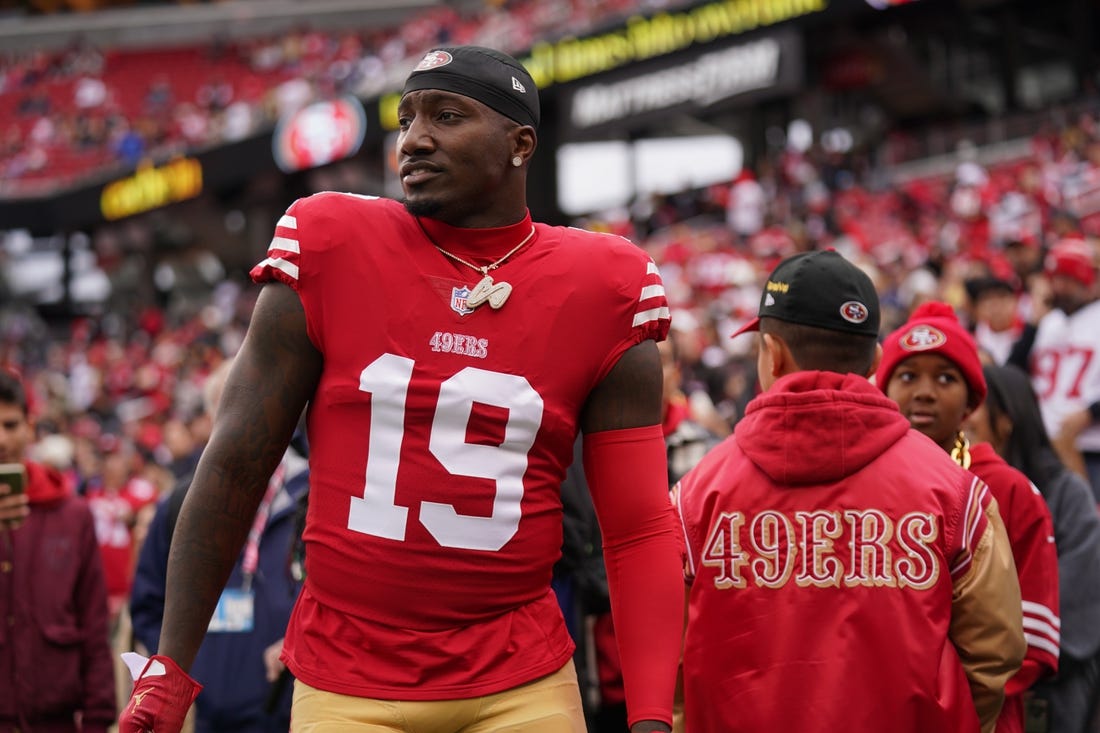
[82, 111]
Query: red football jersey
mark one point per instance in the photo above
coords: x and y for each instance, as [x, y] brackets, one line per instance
[439, 437]
[114, 514]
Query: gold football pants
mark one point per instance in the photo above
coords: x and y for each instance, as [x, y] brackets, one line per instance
[551, 704]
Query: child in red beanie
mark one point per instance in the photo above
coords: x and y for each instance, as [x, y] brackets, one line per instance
[931, 368]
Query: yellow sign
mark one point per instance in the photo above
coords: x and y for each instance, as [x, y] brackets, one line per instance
[151, 187]
[645, 38]
[642, 38]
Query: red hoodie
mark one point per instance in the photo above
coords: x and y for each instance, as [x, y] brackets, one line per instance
[840, 565]
[45, 484]
[55, 659]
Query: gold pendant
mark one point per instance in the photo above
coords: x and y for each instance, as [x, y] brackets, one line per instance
[960, 454]
[487, 291]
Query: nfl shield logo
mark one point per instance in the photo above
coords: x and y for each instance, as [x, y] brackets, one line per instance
[458, 300]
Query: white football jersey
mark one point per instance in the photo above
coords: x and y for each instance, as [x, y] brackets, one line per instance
[1065, 369]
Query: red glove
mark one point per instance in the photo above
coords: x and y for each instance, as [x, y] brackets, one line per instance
[162, 695]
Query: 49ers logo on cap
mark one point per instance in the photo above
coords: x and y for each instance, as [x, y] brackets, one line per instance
[922, 338]
[854, 312]
[433, 60]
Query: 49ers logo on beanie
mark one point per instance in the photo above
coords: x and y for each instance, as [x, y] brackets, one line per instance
[922, 338]
[933, 328]
[433, 60]
[495, 79]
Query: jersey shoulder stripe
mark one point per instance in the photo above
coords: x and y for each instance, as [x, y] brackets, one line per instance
[652, 302]
[319, 213]
[283, 253]
[612, 256]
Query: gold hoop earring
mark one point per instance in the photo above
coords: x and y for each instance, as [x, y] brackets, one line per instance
[960, 454]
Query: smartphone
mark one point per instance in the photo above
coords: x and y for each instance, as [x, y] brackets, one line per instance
[14, 475]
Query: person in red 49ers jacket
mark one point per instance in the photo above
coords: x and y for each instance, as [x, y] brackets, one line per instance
[845, 574]
[930, 367]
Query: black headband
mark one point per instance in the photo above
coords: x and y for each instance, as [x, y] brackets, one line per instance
[495, 79]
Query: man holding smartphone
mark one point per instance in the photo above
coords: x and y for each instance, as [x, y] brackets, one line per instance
[56, 669]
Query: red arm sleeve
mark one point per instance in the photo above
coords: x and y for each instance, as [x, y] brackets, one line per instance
[627, 473]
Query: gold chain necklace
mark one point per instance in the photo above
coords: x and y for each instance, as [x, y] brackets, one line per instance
[486, 290]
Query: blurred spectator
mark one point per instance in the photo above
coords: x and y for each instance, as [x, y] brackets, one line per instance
[55, 663]
[687, 439]
[215, 94]
[1059, 354]
[1009, 420]
[244, 687]
[160, 97]
[89, 92]
[117, 497]
[128, 145]
[994, 310]
[182, 449]
[747, 205]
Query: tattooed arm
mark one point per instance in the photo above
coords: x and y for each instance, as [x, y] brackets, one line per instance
[273, 377]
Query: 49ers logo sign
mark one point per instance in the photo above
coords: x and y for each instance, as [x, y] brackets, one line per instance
[319, 134]
[922, 338]
[433, 60]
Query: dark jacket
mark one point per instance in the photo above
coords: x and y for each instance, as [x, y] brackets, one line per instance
[230, 664]
[1072, 696]
[55, 658]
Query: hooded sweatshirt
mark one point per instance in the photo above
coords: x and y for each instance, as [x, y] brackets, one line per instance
[845, 573]
[55, 659]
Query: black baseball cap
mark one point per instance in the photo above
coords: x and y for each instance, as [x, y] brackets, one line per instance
[493, 78]
[820, 289]
[977, 287]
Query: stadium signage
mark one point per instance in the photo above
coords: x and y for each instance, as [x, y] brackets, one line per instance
[642, 38]
[705, 80]
[319, 134]
[151, 187]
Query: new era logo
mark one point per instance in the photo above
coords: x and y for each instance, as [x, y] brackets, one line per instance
[518, 86]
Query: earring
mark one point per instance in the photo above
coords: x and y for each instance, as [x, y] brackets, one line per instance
[961, 452]
[517, 161]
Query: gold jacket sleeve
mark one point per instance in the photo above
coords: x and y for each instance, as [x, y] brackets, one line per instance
[987, 620]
